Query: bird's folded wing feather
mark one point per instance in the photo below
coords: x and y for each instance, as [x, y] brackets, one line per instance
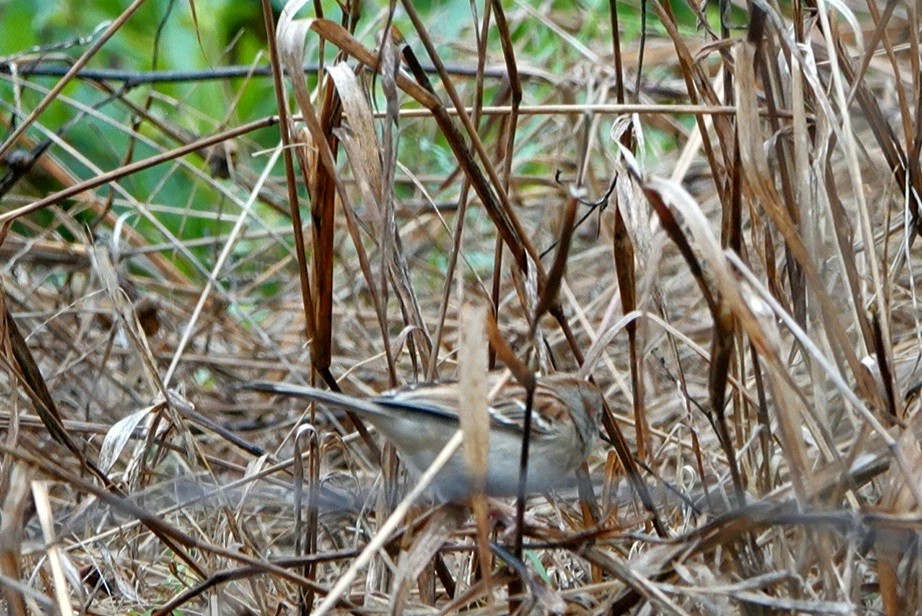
[546, 410]
[507, 409]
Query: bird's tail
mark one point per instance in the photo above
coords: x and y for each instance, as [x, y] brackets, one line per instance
[328, 398]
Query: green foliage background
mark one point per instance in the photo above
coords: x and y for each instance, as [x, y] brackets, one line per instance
[181, 35]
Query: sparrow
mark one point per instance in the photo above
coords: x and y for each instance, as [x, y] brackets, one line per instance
[420, 419]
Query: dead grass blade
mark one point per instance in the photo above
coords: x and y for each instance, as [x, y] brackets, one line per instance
[375, 178]
[548, 296]
[473, 400]
[14, 506]
[495, 202]
[293, 202]
[25, 370]
[415, 560]
[306, 530]
[55, 555]
[317, 156]
[755, 167]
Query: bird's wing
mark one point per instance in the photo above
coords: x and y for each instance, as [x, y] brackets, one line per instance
[434, 400]
[509, 408]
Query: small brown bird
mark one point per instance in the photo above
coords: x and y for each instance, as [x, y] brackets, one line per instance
[419, 420]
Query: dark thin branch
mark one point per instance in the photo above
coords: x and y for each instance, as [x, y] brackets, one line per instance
[134, 78]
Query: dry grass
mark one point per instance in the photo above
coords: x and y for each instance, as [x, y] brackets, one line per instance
[743, 287]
